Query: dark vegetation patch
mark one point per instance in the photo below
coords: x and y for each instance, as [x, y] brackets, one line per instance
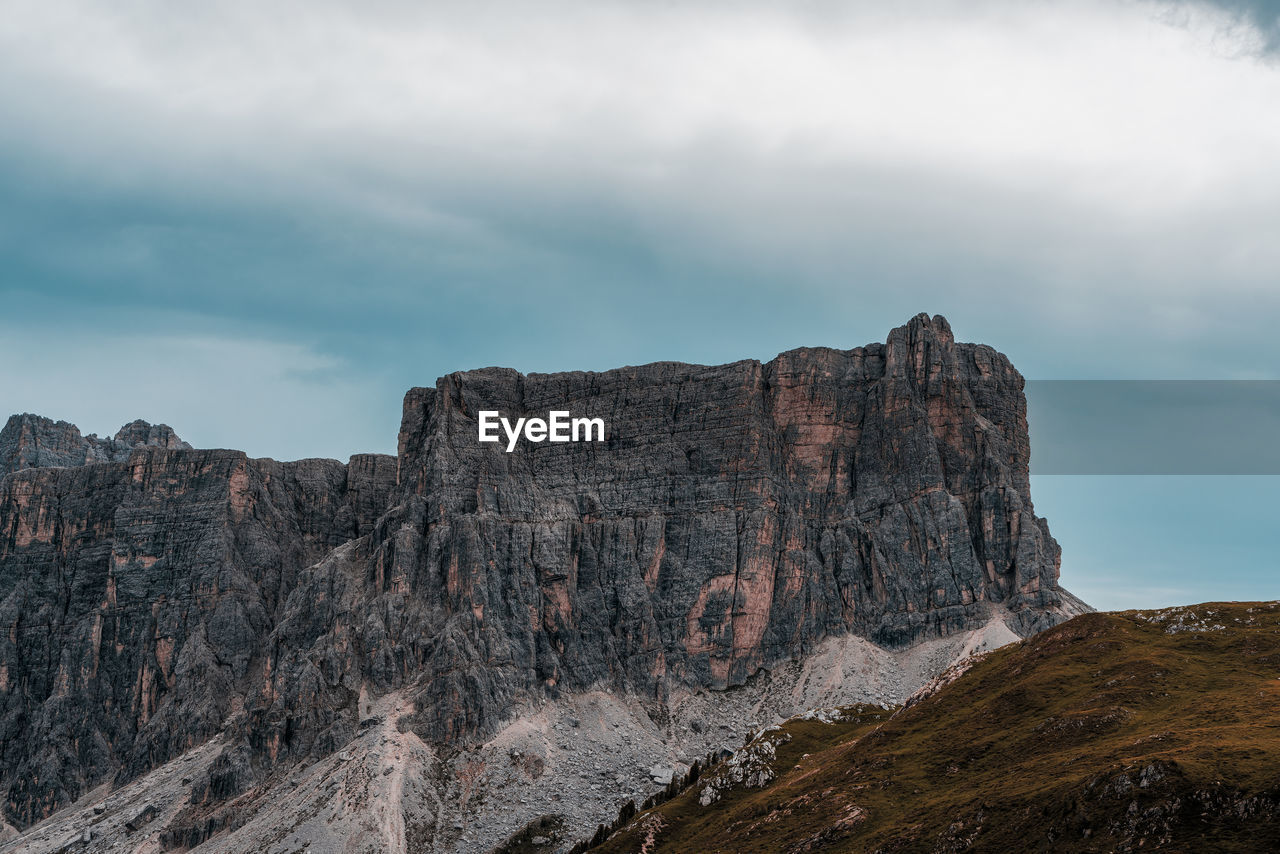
[542, 835]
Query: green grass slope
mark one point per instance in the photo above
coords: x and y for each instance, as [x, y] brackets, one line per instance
[1155, 730]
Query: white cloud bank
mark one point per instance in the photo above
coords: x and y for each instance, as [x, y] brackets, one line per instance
[1084, 184]
[319, 204]
[1159, 120]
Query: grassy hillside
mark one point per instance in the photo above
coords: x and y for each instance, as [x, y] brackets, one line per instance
[1112, 732]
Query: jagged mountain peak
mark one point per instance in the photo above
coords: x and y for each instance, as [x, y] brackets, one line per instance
[34, 441]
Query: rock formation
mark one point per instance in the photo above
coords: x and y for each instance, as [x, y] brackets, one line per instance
[735, 519]
[136, 592]
[30, 441]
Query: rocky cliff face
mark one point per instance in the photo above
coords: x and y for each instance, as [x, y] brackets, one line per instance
[139, 580]
[30, 441]
[735, 518]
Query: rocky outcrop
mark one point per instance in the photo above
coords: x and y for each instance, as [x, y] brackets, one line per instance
[734, 518]
[32, 441]
[135, 595]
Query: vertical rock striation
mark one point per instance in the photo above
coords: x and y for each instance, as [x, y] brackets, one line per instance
[735, 516]
[152, 596]
[136, 592]
[32, 441]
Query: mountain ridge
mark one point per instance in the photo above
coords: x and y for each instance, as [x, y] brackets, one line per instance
[1124, 731]
[737, 518]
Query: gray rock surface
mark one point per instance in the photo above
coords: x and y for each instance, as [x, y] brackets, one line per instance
[736, 515]
[135, 598]
[32, 441]
[735, 520]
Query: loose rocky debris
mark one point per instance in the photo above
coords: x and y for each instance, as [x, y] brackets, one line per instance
[1178, 620]
[572, 761]
[752, 766]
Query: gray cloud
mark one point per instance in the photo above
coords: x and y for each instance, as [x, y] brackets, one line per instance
[1262, 15]
[410, 190]
[262, 222]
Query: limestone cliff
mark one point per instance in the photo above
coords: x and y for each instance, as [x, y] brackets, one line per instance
[735, 518]
[135, 597]
[31, 441]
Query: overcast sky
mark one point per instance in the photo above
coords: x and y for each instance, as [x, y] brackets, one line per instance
[261, 223]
